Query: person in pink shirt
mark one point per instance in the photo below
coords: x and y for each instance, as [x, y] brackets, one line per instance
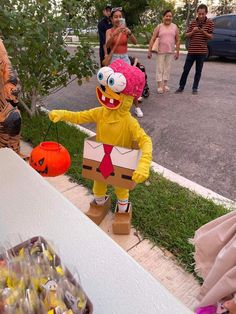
[168, 46]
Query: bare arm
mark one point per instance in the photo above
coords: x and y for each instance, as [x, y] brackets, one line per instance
[154, 36]
[131, 36]
[206, 34]
[191, 30]
[109, 38]
[177, 44]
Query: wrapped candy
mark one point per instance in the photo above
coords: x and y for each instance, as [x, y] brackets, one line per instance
[33, 280]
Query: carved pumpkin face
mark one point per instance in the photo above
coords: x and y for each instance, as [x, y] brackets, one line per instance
[50, 159]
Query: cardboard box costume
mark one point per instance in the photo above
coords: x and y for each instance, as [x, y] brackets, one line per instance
[119, 163]
[114, 127]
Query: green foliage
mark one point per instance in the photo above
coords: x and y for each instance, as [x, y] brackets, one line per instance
[70, 8]
[85, 10]
[156, 10]
[131, 9]
[152, 16]
[163, 212]
[99, 6]
[225, 7]
[141, 16]
[33, 35]
[184, 15]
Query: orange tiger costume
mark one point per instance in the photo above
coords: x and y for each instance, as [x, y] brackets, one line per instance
[10, 118]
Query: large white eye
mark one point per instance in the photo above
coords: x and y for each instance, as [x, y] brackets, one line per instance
[103, 75]
[117, 82]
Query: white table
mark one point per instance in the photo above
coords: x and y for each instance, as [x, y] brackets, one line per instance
[115, 283]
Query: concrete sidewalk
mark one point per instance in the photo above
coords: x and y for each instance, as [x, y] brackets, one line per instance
[158, 262]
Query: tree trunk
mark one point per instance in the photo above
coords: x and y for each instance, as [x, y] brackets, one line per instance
[23, 104]
[32, 108]
[188, 16]
[34, 102]
[191, 7]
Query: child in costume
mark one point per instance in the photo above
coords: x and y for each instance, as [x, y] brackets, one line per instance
[115, 126]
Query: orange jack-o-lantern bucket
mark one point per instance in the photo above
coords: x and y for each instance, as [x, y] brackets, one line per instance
[50, 159]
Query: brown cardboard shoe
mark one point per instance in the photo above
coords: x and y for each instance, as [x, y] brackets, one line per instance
[97, 212]
[122, 221]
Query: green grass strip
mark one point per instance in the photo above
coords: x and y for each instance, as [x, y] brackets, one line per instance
[163, 212]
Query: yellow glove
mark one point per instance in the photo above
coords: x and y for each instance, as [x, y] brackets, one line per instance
[56, 115]
[140, 176]
[70, 116]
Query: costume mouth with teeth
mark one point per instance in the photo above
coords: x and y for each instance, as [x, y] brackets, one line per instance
[108, 99]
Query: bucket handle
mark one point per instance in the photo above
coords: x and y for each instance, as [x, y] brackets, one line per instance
[49, 127]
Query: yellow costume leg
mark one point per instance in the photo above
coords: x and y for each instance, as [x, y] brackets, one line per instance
[99, 189]
[122, 220]
[121, 193]
[98, 209]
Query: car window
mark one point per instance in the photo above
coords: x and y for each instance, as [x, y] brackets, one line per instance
[225, 22]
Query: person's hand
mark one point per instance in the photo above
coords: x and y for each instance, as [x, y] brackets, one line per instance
[142, 172]
[202, 30]
[149, 55]
[176, 56]
[230, 306]
[116, 32]
[56, 115]
[120, 29]
[139, 177]
[128, 31]
[195, 29]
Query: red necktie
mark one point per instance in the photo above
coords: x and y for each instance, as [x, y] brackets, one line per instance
[106, 166]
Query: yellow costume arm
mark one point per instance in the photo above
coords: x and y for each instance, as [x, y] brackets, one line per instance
[145, 144]
[74, 117]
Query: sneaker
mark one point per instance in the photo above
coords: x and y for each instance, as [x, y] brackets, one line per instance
[138, 112]
[166, 88]
[194, 91]
[140, 99]
[179, 90]
[160, 90]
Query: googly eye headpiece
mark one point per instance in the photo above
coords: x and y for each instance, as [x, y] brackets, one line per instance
[115, 81]
[122, 78]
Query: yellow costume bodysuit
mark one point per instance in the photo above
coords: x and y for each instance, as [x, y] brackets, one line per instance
[114, 123]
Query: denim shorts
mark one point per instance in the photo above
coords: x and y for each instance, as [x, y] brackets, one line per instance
[123, 56]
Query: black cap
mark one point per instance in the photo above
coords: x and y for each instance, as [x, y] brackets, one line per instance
[108, 7]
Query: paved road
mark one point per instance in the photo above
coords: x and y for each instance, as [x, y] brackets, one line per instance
[193, 135]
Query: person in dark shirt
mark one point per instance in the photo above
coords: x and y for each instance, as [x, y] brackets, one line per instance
[198, 33]
[103, 26]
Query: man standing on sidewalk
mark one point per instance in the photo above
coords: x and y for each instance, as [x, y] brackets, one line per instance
[103, 26]
[198, 33]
